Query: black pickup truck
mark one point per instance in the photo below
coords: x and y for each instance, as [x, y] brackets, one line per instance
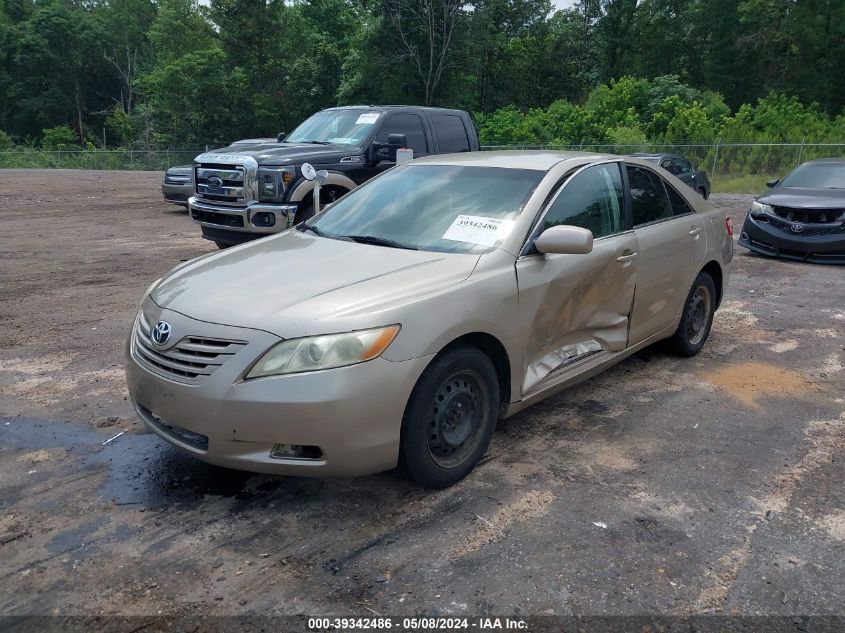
[243, 195]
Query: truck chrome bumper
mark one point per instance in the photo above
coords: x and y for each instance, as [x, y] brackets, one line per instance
[258, 218]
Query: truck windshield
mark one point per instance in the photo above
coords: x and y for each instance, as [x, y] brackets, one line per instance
[447, 208]
[344, 127]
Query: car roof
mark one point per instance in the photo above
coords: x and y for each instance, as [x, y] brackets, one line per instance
[394, 107]
[835, 160]
[514, 159]
[653, 155]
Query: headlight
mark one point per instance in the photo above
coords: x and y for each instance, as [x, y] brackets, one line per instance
[323, 352]
[272, 182]
[758, 208]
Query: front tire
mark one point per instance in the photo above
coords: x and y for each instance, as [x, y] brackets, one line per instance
[697, 317]
[450, 418]
[702, 192]
[222, 245]
[304, 213]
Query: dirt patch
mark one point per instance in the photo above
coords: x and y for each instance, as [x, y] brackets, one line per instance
[530, 505]
[752, 382]
[834, 524]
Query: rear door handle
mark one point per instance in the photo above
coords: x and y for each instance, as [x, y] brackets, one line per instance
[695, 232]
[628, 257]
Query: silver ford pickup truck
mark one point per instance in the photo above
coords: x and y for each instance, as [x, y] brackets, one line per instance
[246, 193]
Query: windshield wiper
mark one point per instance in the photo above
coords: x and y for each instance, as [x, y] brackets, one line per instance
[380, 241]
[317, 142]
[322, 233]
[313, 229]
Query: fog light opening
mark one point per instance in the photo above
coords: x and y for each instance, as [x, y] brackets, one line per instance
[744, 235]
[263, 219]
[296, 451]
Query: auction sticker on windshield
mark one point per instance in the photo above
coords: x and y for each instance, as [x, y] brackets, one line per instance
[368, 118]
[477, 229]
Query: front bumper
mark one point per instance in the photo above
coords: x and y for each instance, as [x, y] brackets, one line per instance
[258, 219]
[352, 414]
[177, 194]
[767, 239]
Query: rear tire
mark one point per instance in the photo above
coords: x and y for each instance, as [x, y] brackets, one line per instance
[222, 245]
[697, 317]
[450, 418]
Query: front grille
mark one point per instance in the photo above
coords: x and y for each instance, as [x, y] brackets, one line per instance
[811, 222]
[220, 183]
[811, 216]
[223, 219]
[191, 360]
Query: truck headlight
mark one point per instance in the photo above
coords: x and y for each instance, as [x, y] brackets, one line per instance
[272, 182]
[326, 351]
[759, 209]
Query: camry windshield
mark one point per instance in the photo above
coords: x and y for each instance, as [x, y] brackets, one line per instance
[816, 176]
[344, 127]
[448, 208]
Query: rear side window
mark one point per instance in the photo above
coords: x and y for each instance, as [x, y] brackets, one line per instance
[411, 126]
[648, 196]
[592, 200]
[679, 205]
[451, 133]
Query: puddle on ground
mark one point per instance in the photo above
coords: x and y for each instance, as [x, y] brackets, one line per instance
[140, 468]
[752, 383]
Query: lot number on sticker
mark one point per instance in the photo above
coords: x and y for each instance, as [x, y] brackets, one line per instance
[477, 229]
[368, 118]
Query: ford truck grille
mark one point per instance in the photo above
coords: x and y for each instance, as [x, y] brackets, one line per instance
[191, 360]
[222, 184]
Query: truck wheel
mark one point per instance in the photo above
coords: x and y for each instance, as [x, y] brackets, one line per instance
[697, 317]
[702, 192]
[222, 245]
[304, 213]
[450, 418]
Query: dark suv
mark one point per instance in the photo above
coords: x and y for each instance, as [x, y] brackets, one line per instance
[245, 194]
[682, 169]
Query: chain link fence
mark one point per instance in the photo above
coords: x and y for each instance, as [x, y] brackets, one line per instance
[145, 160]
[733, 167]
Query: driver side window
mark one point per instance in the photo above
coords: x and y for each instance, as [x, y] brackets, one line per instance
[592, 200]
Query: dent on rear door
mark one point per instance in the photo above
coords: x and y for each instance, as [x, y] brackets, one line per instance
[573, 305]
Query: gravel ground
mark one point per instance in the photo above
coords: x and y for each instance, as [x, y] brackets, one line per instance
[663, 486]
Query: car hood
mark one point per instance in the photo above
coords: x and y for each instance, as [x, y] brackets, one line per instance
[804, 198]
[295, 283]
[182, 170]
[290, 153]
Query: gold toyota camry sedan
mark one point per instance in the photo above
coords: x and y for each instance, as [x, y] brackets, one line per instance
[398, 325]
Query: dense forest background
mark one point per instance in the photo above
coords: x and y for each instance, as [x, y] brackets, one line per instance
[175, 73]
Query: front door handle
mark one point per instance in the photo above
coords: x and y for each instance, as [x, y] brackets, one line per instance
[695, 232]
[628, 257]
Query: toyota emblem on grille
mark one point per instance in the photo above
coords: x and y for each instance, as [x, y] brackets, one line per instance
[161, 333]
[215, 183]
[797, 228]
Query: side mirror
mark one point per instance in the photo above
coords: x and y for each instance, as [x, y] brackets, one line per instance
[281, 136]
[394, 142]
[565, 240]
[771, 183]
[397, 140]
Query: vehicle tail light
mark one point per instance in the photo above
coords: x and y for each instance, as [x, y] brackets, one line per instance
[729, 226]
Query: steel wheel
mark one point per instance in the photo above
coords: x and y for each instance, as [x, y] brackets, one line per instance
[698, 314]
[450, 417]
[697, 317]
[458, 415]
